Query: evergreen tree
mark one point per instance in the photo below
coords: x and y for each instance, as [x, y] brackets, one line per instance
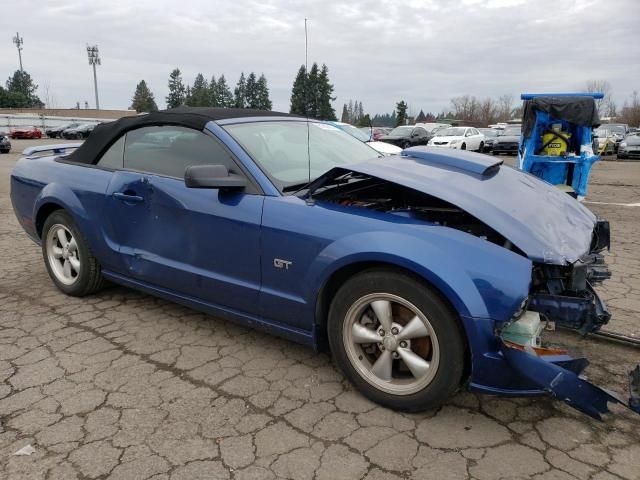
[177, 91]
[214, 95]
[20, 92]
[325, 91]
[312, 88]
[360, 112]
[224, 93]
[240, 92]
[350, 112]
[401, 115]
[199, 93]
[251, 91]
[345, 114]
[421, 118]
[264, 102]
[143, 100]
[298, 93]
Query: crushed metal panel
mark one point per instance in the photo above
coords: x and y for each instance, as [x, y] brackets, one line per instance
[560, 379]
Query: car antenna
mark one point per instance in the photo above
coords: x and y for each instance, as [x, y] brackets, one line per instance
[306, 106]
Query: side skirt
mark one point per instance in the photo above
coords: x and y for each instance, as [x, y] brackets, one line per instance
[246, 320]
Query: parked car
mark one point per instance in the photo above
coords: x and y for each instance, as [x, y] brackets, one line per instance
[355, 132]
[77, 133]
[422, 272]
[629, 147]
[56, 132]
[490, 135]
[462, 138]
[507, 140]
[619, 131]
[5, 144]
[406, 136]
[25, 132]
[605, 141]
[375, 133]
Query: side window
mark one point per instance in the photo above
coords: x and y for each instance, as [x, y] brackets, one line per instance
[420, 131]
[112, 158]
[169, 150]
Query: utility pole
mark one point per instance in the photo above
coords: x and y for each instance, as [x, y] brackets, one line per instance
[18, 42]
[94, 59]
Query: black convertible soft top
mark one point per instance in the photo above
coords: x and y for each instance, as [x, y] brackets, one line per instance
[578, 110]
[106, 134]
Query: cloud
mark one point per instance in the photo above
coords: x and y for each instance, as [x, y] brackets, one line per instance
[423, 51]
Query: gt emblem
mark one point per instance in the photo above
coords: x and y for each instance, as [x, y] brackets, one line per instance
[279, 263]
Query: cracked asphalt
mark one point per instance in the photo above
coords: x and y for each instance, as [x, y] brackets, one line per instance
[122, 385]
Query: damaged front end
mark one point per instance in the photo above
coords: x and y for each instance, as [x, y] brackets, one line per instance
[564, 296]
[563, 240]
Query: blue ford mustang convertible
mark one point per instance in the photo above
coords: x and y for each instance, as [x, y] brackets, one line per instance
[421, 272]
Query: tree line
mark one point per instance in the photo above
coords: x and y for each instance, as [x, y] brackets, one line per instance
[250, 92]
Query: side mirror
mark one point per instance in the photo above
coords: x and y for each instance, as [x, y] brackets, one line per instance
[213, 176]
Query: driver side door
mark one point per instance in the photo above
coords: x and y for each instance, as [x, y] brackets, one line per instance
[201, 243]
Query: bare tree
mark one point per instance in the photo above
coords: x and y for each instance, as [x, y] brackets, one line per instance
[505, 107]
[48, 97]
[606, 105]
[630, 112]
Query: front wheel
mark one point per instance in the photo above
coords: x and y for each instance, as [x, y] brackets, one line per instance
[463, 146]
[406, 144]
[396, 340]
[481, 148]
[67, 256]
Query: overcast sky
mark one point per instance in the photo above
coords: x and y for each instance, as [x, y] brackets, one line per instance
[377, 51]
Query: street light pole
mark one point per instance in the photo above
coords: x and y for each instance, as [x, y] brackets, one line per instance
[18, 42]
[94, 59]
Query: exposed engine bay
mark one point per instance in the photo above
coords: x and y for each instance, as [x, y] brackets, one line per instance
[382, 196]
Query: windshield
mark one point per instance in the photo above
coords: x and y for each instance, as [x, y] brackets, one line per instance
[355, 132]
[619, 129]
[488, 132]
[451, 132]
[513, 131]
[401, 131]
[282, 150]
[601, 132]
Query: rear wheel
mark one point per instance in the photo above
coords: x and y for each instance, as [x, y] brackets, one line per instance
[406, 144]
[395, 340]
[67, 256]
[481, 149]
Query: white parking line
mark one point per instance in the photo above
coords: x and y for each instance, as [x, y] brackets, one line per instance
[613, 203]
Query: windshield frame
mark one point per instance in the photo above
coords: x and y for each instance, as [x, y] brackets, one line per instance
[285, 188]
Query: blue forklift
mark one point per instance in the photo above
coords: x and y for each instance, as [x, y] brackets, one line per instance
[556, 142]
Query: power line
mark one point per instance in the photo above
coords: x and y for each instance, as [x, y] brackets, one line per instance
[94, 59]
[18, 41]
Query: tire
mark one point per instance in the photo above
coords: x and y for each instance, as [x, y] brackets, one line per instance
[88, 277]
[406, 144]
[463, 146]
[481, 148]
[78, 136]
[444, 348]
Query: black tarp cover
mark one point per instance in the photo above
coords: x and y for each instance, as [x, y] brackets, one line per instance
[105, 134]
[577, 110]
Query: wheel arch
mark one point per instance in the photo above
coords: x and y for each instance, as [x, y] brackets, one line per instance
[342, 274]
[43, 213]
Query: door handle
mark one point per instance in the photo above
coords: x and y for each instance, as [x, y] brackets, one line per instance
[125, 197]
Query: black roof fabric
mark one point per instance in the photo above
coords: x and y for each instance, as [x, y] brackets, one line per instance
[105, 134]
[577, 110]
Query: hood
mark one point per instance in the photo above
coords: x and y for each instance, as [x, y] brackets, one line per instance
[448, 138]
[385, 148]
[632, 140]
[546, 224]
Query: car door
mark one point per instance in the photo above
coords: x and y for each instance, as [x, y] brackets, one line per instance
[201, 243]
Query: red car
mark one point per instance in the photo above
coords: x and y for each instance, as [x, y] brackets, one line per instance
[25, 132]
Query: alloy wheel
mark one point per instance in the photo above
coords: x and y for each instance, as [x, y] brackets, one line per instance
[63, 254]
[391, 343]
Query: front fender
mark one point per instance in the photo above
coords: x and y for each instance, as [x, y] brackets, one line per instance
[480, 279]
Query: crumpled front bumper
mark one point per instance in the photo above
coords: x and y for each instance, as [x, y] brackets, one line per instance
[559, 375]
